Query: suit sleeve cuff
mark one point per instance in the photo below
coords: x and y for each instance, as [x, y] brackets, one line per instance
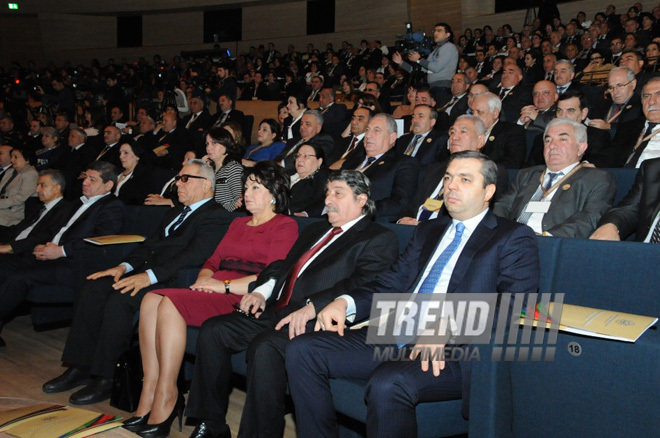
[128, 267]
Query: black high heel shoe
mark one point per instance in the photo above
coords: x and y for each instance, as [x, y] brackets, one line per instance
[136, 423]
[162, 430]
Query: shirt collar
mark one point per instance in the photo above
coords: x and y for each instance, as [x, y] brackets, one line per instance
[472, 223]
[85, 200]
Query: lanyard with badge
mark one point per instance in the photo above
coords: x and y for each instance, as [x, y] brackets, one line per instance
[543, 205]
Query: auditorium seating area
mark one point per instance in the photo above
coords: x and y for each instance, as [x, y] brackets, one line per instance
[571, 396]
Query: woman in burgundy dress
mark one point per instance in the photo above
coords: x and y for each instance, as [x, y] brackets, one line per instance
[251, 243]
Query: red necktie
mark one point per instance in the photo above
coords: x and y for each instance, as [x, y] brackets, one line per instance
[284, 298]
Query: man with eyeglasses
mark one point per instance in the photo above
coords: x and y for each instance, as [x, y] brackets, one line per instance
[625, 104]
[572, 105]
[106, 307]
[638, 140]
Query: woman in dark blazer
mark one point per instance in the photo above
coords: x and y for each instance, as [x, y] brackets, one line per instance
[308, 184]
[135, 182]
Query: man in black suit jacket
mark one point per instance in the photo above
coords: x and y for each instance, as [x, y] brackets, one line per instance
[638, 211]
[456, 103]
[173, 143]
[82, 153]
[491, 255]
[467, 134]
[335, 115]
[345, 146]
[505, 141]
[311, 125]
[637, 140]
[393, 176]
[199, 118]
[424, 143]
[226, 111]
[573, 105]
[58, 261]
[42, 226]
[109, 152]
[513, 94]
[536, 117]
[348, 252]
[105, 310]
[625, 105]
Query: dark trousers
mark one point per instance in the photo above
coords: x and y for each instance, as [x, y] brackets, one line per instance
[393, 389]
[102, 325]
[18, 273]
[219, 338]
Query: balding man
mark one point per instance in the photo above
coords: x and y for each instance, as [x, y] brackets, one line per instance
[563, 198]
[512, 93]
[505, 142]
[110, 150]
[393, 177]
[625, 104]
[172, 144]
[638, 140]
[467, 134]
[536, 117]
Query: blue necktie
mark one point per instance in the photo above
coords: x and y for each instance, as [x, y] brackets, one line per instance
[431, 280]
[180, 219]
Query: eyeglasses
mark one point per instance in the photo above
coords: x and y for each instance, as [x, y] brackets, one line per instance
[185, 177]
[303, 156]
[618, 87]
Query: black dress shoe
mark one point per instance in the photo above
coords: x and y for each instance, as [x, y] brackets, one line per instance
[203, 431]
[100, 389]
[136, 423]
[68, 380]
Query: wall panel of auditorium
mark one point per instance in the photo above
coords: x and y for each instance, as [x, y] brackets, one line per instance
[81, 37]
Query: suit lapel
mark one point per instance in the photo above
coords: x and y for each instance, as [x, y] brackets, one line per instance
[482, 234]
[530, 187]
[344, 241]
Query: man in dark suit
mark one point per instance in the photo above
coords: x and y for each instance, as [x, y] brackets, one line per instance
[335, 115]
[315, 90]
[564, 75]
[456, 103]
[311, 125]
[81, 154]
[58, 261]
[226, 112]
[199, 118]
[105, 310]
[513, 94]
[256, 89]
[573, 105]
[393, 176]
[638, 140]
[486, 254]
[536, 117]
[328, 259]
[171, 146]
[467, 134]
[44, 224]
[563, 198]
[110, 150]
[638, 212]
[424, 143]
[345, 146]
[505, 141]
[625, 105]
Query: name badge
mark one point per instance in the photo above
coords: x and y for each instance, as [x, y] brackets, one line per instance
[537, 207]
[433, 204]
[221, 181]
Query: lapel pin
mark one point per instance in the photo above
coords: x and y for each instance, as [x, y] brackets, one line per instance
[491, 138]
[381, 163]
[628, 106]
[428, 140]
[566, 187]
